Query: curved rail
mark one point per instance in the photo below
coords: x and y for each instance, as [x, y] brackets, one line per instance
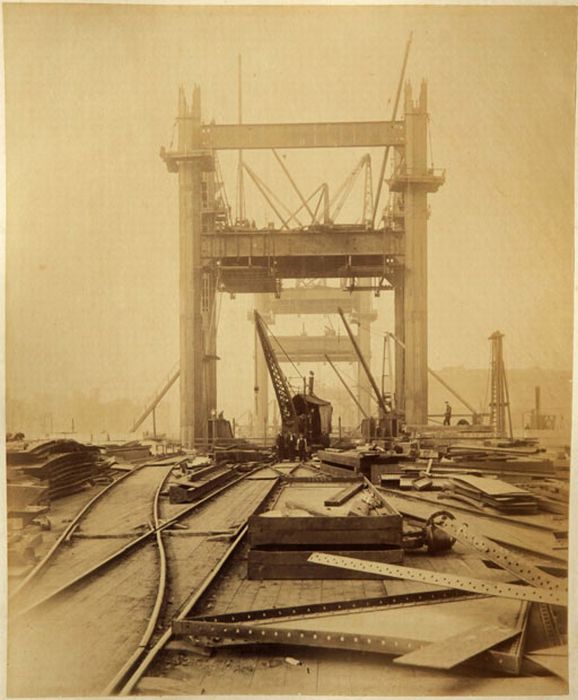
[68, 531]
[148, 657]
[122, 652]
[131, 545]
[160, 597]
[151, 655]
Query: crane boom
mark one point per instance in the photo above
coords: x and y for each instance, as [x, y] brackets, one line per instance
[359, 406]
[287, 410]
[364, 364]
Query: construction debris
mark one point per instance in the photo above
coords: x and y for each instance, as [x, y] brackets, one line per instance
[458, 648]
[503, 590]
[282, 540]
[200, 482]
[552, 495]
[382, 628]
[345, 494]
[496, 493]
[372, 464]
[61, 467]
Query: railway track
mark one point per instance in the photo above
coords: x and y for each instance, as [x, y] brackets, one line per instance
[102, 528]
[128, 684]
[85, 633]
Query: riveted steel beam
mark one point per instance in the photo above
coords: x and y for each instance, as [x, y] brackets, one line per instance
[305, 135]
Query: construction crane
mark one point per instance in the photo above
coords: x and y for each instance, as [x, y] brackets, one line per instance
[387, 423]
[301, 413]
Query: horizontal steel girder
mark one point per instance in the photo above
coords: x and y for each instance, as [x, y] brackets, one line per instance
[303, 307]
[316, 300]
[252, 275]
[310, 348]
[271, 243]
[315, 306]
[312, 135]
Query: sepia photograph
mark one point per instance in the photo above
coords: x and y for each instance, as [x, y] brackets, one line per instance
[288, 349]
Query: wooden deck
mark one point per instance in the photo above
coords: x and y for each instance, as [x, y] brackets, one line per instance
[107, 527]
[265, 670]
[75, 644]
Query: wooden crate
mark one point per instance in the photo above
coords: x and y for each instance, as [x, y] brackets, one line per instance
[281, 543]
[293, 564]
[337, 531]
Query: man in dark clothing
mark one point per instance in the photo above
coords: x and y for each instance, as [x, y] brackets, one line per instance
[447, 414]
[291, 446]
[280, 442]
[302, 448]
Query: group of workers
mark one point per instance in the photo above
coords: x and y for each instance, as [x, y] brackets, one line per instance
[289, 446]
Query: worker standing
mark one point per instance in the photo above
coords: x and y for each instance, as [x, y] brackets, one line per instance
[302, 448]
[447, 414]
[291, 447]
[280, 443]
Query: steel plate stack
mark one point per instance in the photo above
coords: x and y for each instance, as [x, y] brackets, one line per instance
[64, 466]
[496, 494]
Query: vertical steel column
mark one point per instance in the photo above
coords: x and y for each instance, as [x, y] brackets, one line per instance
[399, 325]
[192, 404]
[209, 312]
[415, 293]
[363, 309]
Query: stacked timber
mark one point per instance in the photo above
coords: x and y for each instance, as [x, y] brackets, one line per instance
[553, 495]
[495, 493]
[61, 467]
[25, 501]
[24, 493]
[199, 482]
[338, 518]
[43, 450]
[501, 461]
[370, 463]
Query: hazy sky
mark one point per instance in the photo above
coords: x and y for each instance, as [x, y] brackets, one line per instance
[92, 213]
